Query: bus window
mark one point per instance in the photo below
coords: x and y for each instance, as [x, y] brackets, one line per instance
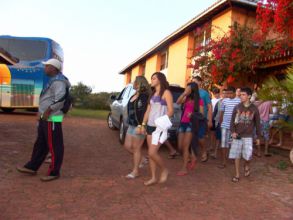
[22, 48]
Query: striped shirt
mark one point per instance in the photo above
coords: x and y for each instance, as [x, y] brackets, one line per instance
[227, 107]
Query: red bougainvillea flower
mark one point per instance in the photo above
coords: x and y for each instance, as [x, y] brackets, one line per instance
[230, 79]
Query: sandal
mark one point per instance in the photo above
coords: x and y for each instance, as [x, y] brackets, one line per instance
[205, 159]
[235, 179]
[246, 172]
[268, 155]
[131, 176]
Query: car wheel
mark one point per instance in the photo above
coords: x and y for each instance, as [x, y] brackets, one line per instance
[122, 132]
[110, 122]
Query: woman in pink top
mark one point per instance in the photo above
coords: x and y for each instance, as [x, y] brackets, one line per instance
[188, 97]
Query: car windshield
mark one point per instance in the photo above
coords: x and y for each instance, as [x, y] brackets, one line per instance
[23, 49]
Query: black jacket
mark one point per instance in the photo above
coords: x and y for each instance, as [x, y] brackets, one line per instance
[140, 105]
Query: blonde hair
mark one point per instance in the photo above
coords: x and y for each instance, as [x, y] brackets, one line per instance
[142, 84]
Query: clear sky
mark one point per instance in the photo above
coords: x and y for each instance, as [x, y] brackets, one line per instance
[99, 37]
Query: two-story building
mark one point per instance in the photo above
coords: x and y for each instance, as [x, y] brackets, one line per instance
[174, 53]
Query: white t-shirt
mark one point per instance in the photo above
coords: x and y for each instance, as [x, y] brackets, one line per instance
[214, 102]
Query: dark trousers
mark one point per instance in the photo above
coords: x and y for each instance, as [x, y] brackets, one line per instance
[50, 138]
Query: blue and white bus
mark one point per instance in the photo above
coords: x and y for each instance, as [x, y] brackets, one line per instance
[22, 75]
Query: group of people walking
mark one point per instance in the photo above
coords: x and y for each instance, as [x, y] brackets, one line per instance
[232, 122]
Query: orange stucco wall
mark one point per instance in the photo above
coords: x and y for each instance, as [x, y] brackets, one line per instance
[177, 64]
[151, 66]
[134, 73]
[243, 16]
[221, 23]
[127, 78]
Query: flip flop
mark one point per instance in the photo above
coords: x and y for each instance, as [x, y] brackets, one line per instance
[181, 173]
[235, 179]
[131, 176]
[246, 172]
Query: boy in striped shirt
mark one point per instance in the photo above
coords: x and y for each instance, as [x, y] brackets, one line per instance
[226, 111]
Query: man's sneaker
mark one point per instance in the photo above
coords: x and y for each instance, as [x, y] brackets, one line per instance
[49, 178]
[26, 170]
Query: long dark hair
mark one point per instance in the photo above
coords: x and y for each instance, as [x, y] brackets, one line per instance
[194, 95]
[163, 83]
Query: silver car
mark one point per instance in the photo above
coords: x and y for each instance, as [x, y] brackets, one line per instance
[117, 118]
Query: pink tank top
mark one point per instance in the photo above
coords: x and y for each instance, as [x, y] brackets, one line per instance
[188, 110]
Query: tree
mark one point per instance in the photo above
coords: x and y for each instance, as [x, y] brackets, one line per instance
[225, 58]
[80, 92]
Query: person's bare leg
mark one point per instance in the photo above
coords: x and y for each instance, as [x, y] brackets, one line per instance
[237, 167]
[171, 149]
[212, 141]
[274, 132]
[224, 152]
[204, 153]
[180, 141]
[128, 143]
[137, 155]
[186, 146]
[246, 168]
[153, 166]
[216, 148]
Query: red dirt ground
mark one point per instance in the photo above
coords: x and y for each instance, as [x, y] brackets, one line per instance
[92, 185]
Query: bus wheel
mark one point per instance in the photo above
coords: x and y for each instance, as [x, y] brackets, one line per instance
[7, 110]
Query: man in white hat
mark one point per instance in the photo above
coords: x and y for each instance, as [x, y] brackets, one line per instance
[50, 137]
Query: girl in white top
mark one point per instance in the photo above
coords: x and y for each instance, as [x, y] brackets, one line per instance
[161, 103]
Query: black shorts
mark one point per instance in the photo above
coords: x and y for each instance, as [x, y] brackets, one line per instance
[150, 129]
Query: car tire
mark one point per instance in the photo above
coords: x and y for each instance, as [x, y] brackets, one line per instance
[122, 132]
[110, 122]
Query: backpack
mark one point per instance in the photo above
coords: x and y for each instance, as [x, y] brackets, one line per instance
[67, 101]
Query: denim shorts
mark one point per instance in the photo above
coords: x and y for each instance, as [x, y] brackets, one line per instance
[150, 129]
[132, 131]
[185, 127]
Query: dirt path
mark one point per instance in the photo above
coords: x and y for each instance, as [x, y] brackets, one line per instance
[92, 184]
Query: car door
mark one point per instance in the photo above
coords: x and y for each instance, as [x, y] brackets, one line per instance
[115, 114]
[126, 97]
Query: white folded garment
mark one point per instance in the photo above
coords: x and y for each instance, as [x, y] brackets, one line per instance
[161, 133]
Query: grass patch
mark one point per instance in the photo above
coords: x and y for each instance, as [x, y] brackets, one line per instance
[87, 113]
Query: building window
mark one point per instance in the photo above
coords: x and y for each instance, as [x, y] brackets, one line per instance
[164, 60]
[202, 38]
